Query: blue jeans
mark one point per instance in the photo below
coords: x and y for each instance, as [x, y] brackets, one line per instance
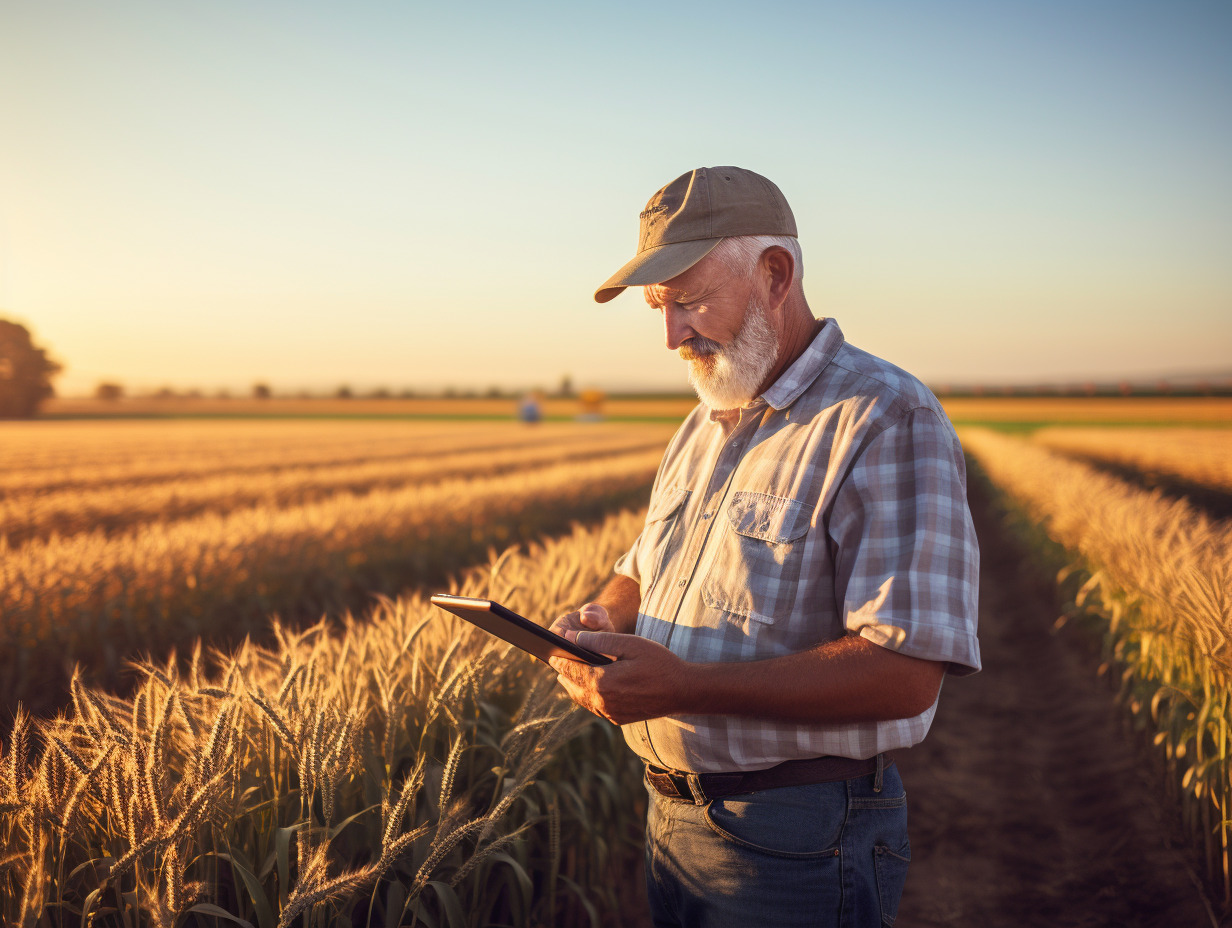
[826, 854]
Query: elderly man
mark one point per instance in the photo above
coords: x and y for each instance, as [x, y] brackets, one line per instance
[806, 576]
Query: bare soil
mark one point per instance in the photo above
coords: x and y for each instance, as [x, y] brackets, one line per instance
[1030, 805]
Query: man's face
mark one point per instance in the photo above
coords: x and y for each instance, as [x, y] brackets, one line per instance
[716, 321]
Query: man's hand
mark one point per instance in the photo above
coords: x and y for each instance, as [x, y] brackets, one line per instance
[588, 618]
[645, 682]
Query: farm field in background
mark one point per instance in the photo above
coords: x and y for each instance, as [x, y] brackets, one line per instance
[1025, 413]
[122, 536]
[131, 484]
[1021, 411]
[672, 408]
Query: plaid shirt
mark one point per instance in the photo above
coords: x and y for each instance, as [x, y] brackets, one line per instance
[834, 504]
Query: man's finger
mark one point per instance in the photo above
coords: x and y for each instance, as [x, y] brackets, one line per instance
[613, 644]
[569, 618]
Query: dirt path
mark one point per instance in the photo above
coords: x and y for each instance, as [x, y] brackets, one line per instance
[1028, 805]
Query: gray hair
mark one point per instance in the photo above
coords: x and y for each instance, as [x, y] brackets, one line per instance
[740, 253]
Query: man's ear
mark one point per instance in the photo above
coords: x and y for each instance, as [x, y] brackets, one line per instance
[779, 269]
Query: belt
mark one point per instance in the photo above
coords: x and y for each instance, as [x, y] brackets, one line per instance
[702, 787]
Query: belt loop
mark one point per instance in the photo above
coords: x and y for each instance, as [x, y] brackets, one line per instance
[695, 787]
[877, 777]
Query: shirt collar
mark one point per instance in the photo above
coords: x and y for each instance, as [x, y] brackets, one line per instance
[806, 368]
[793, 381]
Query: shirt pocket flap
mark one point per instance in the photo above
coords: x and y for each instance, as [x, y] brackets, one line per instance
[776, 519]
[667, 503]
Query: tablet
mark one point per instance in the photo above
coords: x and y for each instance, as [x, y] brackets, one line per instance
[507, 625]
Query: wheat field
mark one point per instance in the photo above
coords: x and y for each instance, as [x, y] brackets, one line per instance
[391, 766]
[66, 499]
[292, 518]
[399, 766]
[1153, 575]
[1201, 457]
[402, 769]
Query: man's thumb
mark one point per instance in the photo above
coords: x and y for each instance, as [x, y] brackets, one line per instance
[594, 613]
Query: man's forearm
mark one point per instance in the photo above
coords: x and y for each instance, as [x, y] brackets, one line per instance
[845, 681]
[622, 597]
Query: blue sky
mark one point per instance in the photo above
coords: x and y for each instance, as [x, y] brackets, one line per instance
[412, 194]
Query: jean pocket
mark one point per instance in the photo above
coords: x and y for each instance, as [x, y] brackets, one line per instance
[891, 877]
[794, 821]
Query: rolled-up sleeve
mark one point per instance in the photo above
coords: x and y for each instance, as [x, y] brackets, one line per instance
[906, 555]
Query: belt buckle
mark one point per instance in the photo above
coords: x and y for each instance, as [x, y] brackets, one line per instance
[694, 782]
[686, 785]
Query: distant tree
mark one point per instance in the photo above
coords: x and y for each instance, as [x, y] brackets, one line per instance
[343, 392]
[109, 391]
[164, 393]
[380, 393]
[566, 386]
[260, 391]
[25, 372]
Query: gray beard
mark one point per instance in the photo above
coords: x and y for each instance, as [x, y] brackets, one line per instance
[725, 378]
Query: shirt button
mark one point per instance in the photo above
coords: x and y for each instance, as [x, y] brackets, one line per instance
[707, 515]
[682, 583]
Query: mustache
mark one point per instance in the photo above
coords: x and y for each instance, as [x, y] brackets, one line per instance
[698, 347]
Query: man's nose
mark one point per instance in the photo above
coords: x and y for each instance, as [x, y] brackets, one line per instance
[675, 326]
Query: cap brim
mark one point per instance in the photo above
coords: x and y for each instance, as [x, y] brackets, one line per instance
[655, 265]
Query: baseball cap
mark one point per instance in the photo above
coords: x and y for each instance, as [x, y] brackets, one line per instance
[683, 222]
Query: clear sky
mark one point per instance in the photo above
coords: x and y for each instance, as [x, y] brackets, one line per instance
[415, 194]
